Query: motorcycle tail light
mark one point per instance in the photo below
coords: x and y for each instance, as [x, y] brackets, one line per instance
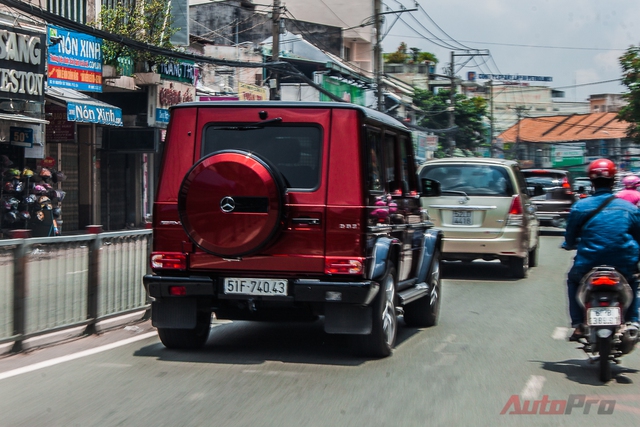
[604, 281]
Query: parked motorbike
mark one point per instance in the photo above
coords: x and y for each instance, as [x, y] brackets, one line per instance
[605, 296]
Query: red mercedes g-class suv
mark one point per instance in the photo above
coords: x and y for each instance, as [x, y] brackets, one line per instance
[282, 210]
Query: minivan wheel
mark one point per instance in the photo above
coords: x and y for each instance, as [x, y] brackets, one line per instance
[187, 338]
[519, 266]
[424, 312]
[382, 339]
[533, 257]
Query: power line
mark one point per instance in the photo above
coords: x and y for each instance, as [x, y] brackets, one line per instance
[526, 45]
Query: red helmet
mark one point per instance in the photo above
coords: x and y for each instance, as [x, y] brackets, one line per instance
[602, 168]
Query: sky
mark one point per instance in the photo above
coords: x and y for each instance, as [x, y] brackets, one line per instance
[576, 43]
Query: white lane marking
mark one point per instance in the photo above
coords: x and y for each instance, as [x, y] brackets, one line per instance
[69, 357]
[560, 333]
[532, 389]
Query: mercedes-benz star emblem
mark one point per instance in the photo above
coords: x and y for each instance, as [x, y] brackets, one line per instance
[227, 204]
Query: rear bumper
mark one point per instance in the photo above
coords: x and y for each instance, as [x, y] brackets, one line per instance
[299, 290]
[510, 243]
[550, 216]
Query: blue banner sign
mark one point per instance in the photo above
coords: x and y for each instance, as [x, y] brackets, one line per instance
[22, 137]
[87, 113]
[515, 78]
[162, 115]
[74, 61]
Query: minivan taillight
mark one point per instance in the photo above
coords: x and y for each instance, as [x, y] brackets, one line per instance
[515, 211]
[340, 265]
[168, 260]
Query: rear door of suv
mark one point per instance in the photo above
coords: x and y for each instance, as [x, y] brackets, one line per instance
[295, 143]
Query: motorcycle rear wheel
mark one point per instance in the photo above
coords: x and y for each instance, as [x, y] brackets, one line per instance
[604, 349]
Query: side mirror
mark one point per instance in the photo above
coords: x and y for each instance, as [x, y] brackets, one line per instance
[430, 188]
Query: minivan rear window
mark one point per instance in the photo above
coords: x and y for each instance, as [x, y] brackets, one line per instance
[295, 151]
[474, 180]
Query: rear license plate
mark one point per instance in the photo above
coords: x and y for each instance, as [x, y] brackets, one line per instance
[254, 286]
[461, 218]
[606, 316]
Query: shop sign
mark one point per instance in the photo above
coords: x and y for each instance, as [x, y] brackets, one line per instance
[183, 71]
[169, 94]
[87, 113]
[563, 155]
[48, 162]
[22, 67]
[75, 62]
[21, 136]
[248, 92]
[59, 128]
[348, 92]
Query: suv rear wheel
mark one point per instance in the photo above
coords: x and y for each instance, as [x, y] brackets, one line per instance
[382, 339]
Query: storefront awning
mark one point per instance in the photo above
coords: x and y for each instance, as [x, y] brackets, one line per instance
[22, 118]
[85, 109]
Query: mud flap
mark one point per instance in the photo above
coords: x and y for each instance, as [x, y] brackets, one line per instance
[347, 319]
[178, 313]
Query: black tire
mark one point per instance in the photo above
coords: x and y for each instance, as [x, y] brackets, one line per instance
[604, 349]
[424, 312]
[187, 338]
[533, 257]
[519, 266]
[380, 342]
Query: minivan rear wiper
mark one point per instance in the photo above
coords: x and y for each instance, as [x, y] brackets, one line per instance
[462, 193]
[252, 126]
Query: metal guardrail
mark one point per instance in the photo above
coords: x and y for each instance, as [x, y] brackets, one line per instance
[53, 283]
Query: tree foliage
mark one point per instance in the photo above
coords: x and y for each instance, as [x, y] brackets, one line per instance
[469, 114]
[146, 21]
[402, 55]
[630, 63]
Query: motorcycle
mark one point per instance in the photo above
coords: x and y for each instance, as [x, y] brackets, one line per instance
[605, 295]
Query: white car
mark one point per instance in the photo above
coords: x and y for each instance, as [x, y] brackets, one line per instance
[483, 210]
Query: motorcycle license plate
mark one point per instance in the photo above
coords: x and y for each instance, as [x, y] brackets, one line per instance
[603, 316]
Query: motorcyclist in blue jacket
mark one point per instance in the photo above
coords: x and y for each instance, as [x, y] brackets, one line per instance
[611, 237]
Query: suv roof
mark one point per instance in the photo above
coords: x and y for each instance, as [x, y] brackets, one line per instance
[368, 113]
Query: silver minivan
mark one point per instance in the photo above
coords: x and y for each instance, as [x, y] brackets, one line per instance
[483, 210]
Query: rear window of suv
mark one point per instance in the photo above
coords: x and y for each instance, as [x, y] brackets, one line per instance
[295, 151]
[474, 180]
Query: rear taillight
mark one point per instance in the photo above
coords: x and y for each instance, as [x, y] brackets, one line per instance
[604, 281]
[168, 260]
[340, 265]
[565, 183]
[515, 211]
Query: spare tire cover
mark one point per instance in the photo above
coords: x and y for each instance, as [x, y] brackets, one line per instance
[231, 203]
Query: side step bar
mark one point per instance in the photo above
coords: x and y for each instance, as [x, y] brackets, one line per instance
[412, 294]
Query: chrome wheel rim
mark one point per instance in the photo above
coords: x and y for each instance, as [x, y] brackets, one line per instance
[435, 284]
[389, 311]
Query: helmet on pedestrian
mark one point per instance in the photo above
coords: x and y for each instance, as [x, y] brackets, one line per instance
[602, 172]
[631, 181]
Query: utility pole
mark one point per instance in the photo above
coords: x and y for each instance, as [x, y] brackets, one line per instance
[452, 122]
[452, 71]
[377, 53]
[275, 50]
